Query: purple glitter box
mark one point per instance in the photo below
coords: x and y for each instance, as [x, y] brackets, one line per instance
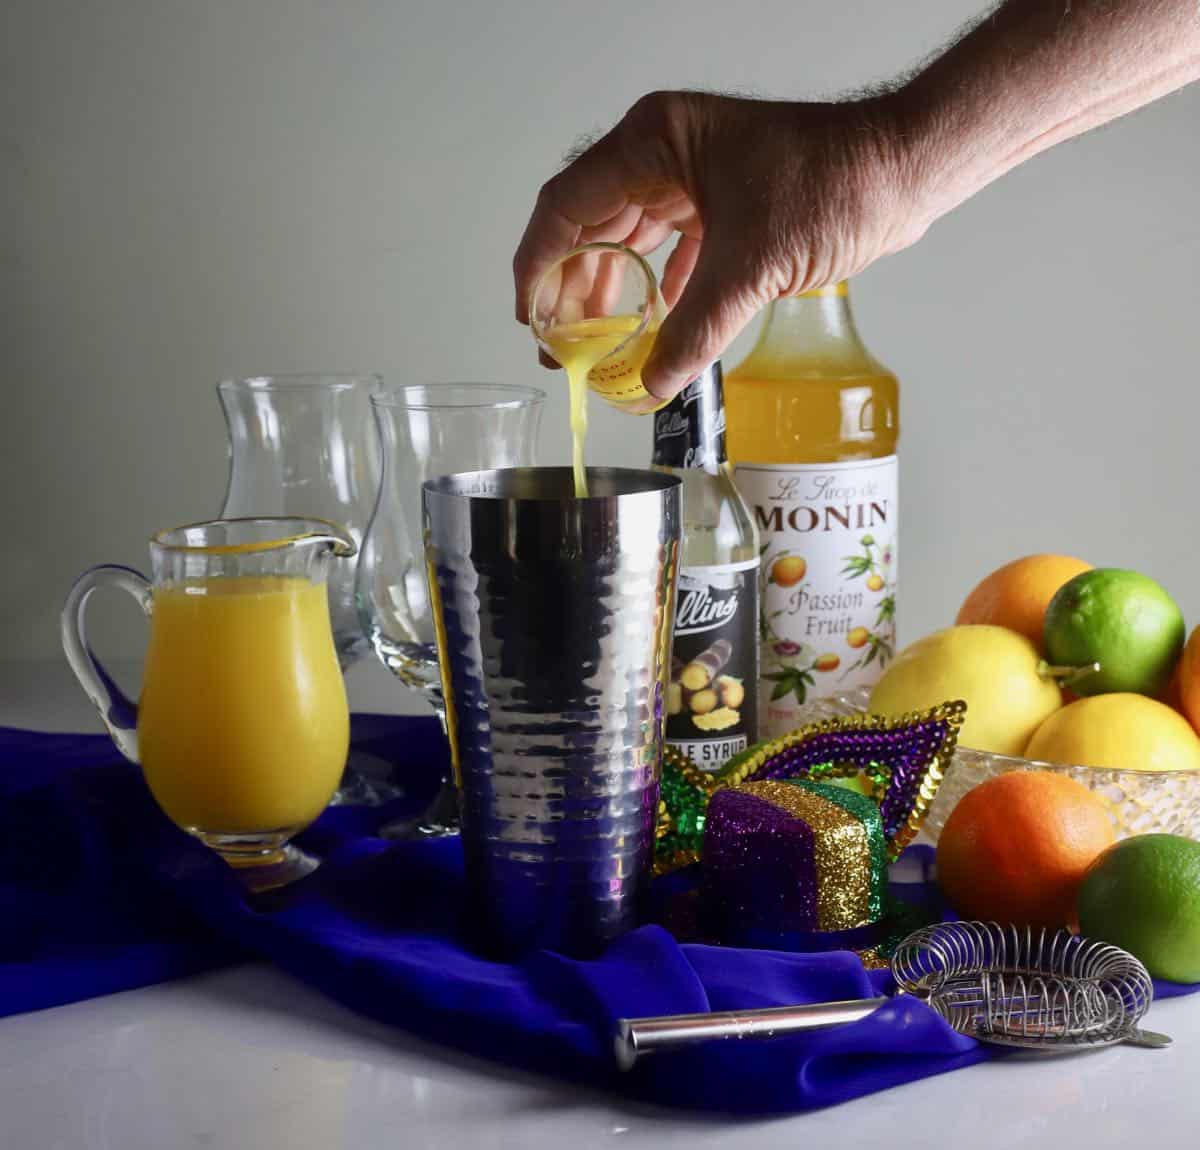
[792, 862]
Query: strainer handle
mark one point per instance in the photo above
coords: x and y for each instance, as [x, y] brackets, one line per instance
[1150, 1039]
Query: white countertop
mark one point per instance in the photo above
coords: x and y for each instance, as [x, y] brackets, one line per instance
[250, 1058]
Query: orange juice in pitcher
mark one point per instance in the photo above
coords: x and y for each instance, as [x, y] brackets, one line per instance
[243, 721]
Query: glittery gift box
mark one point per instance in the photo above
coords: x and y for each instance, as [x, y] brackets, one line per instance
[790, 860]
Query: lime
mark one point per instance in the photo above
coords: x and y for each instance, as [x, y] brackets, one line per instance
[1122, 620]
[993, 669]
[1143, 894]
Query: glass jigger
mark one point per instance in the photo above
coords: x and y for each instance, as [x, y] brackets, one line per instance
[597, 311]
[427, 431]
[303, 444]
[242, 727]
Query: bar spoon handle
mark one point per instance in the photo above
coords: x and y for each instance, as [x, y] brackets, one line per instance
[638, 1036]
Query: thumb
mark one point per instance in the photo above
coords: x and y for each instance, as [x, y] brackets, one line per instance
[713, 308]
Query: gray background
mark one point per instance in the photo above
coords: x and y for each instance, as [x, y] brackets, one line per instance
[190, 191]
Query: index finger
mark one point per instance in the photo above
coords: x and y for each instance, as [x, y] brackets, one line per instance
[589, 193]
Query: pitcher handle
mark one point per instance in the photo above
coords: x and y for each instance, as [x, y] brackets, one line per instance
[116, 709]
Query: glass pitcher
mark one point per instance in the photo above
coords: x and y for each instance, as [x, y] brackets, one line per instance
[242, 727]
[303, 444]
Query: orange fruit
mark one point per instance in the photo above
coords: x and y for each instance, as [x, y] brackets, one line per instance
[1173, 692]
[1187, 677]
[1016, 595]
[788, 570]
[858, 637]
[827, 662]
[1016, 847]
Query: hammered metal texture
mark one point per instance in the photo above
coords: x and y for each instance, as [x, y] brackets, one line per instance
[1140, 802]
[555, 623]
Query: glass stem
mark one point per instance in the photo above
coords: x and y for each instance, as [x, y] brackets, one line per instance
[443, 810]
[438, 702]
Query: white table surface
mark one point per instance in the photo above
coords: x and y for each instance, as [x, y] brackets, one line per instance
[248, 1057]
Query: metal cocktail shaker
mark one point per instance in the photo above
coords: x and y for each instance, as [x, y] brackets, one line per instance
[554, 621]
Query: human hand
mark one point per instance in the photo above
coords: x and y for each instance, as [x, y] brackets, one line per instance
[769, 199]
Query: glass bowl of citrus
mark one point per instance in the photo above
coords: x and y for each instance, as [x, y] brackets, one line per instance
[1141, 801]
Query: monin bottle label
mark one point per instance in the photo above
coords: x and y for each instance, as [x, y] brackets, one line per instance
[829, 569]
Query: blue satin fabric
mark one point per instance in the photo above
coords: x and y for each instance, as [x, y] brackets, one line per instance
[98, 893]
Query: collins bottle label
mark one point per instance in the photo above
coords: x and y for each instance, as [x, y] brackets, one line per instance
[689, 433]
[827, 612]
[712, 707]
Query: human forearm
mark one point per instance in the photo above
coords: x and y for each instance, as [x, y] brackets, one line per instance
[1034, 73]
[769, 198]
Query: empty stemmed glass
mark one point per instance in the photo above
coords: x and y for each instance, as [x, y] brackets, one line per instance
[427, 431]
[304, 444]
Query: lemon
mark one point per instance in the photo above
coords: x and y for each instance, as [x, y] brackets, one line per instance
[1122, 620]
[1123, 731]
[994, 670]
[1143, 894]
